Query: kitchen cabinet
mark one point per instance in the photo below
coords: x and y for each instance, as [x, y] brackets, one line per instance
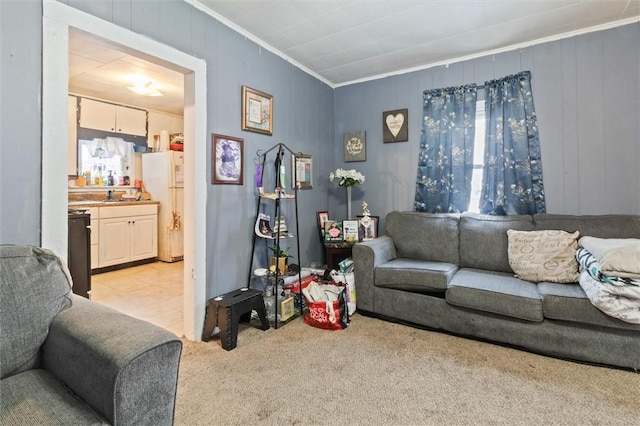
[160, 121]
[72, 142]
[127, 234]
[94, 214]
[112, 118]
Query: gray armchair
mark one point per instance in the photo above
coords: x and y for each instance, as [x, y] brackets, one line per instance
[67, 360]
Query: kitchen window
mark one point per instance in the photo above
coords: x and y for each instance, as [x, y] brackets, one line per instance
[106, 162]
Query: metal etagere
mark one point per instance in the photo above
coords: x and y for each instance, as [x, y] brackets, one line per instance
[279, 153]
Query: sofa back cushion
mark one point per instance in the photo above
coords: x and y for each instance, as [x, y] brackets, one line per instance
[34, 287]
[483, 240]
[424, 236]
[603, 226]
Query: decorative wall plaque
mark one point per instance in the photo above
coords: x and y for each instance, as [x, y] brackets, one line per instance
[395, 125]
[355, 146]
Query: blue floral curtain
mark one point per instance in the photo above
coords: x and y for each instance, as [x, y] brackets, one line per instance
[445, 162]
[512, 174]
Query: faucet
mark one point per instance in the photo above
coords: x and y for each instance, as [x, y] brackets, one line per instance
[109, 195]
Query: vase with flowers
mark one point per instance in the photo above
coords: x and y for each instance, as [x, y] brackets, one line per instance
[347, 179]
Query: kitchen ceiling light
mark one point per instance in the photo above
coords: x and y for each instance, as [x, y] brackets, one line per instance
[146, 89]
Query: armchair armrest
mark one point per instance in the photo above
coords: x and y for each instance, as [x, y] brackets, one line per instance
[125, 368]
[366, 256]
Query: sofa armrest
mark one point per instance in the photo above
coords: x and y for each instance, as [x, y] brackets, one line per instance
[125, 368]
[366, 257]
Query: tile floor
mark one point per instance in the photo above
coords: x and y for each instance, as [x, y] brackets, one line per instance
[151, 292]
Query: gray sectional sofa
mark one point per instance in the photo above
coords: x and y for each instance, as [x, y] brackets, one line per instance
[451, 272]
[65, 360]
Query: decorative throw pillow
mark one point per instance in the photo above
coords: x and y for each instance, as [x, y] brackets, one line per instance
[544, 255]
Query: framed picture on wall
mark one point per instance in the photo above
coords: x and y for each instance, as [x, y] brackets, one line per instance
[257, 111]
[355, 146]
[226, 163]
[395, 125]
[302, 171]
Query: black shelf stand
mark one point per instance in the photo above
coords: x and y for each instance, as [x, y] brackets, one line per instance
[281, 151]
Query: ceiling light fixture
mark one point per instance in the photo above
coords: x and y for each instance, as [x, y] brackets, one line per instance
[146, 89]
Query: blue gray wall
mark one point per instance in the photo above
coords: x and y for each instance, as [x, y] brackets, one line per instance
[586, 93]
[303, 120]
[586, 90]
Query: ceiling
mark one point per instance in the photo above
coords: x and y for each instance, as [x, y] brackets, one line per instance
[346, 41]
[101, 70]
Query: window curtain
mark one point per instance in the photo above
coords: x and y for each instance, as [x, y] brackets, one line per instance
[512, 173]
[445, 161]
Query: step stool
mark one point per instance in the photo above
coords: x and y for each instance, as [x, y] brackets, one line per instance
[228, 310]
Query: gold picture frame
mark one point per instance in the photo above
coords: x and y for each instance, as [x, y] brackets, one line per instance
[302, 171]
[257, 111]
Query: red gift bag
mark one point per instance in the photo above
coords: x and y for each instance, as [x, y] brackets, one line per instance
[327, 306]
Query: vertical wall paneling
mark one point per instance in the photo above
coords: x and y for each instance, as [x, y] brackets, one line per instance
[621, 115]
[592, 154]
[547, 83]
[567, 123]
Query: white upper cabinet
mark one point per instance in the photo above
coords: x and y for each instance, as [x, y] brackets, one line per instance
[112, 118]
[159, 121]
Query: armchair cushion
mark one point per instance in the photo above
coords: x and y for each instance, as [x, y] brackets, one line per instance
[34, 287]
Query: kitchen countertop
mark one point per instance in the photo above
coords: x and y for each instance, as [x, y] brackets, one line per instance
[95, 203]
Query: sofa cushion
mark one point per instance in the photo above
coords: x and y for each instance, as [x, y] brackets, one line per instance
[424, 236]
[548, 255]
[34, 287]
[483, 240]
[496, 292]
[603, 226]
[568, 302]
[415, 275]
[35, 397]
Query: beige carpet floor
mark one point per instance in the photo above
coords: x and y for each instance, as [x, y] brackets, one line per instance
[380, 373]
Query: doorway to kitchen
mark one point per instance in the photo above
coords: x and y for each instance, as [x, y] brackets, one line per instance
[57, 19]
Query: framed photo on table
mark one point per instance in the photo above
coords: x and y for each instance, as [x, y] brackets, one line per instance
[302, 171]
[257, 111]
[226, 164]
[368, 229]
[322, 217]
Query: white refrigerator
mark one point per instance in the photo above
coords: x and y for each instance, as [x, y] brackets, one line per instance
[163, 177]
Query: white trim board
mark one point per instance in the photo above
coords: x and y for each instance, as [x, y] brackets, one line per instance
[57, 18]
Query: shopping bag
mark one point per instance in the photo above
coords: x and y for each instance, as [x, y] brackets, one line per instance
[347, 278]
[327, 306]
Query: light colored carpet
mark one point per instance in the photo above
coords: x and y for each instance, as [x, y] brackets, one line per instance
[380, 373]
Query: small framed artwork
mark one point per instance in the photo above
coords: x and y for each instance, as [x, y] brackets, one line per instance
[302, 171]
[395, 125]
[322, 217]
[332, 231]
[226, 164]
[368, 229]
[355, 146]
[350, 230]
[287, 309]
[257, 111]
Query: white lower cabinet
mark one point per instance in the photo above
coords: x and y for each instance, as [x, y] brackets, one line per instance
[128, 233]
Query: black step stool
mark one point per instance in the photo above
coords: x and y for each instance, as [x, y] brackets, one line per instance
[228, 310]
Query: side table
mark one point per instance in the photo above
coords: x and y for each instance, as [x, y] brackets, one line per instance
[334, 253]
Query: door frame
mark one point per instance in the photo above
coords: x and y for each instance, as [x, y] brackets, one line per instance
[56, 20]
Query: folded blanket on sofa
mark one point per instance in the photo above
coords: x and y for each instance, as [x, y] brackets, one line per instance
[617, 256]
[617, 301]
[588, 262]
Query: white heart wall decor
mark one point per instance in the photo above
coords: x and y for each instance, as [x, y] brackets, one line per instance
[394, 123]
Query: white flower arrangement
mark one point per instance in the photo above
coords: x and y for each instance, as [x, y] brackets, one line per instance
[347, 177]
